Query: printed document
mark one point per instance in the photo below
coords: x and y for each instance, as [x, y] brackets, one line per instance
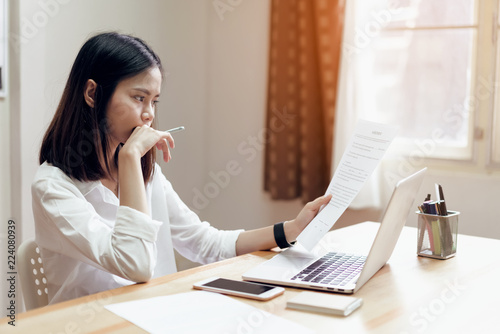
[362, 155]
[202, 312]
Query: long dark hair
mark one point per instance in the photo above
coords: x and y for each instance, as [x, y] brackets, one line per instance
[77, 137]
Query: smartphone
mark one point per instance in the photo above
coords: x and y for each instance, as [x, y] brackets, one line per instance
[239, 288]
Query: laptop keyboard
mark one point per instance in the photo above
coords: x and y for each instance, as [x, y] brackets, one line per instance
[332, 269]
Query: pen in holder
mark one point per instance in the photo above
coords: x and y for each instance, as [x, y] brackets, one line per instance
[437, 235]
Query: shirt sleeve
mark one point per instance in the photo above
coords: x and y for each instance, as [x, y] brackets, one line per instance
[67, 223]
[194, 239]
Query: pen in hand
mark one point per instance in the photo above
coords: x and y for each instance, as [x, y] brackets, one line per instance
[179, 128]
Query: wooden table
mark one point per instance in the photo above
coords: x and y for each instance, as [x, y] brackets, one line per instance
[410, 294]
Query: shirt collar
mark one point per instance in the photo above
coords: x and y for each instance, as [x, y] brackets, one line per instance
[86, 187]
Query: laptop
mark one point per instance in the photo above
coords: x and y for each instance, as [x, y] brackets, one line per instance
[338, 271]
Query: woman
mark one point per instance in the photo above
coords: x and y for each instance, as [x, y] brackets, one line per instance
[105, 215]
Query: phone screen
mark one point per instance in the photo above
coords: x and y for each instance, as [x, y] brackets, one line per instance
[252, 288]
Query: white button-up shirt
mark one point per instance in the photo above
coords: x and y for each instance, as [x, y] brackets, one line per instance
[89, 243]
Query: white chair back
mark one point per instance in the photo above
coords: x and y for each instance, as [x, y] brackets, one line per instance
[32, 275]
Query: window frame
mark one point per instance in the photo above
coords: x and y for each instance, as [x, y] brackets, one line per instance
[494, 119]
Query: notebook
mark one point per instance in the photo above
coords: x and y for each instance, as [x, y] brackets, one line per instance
[338, 271]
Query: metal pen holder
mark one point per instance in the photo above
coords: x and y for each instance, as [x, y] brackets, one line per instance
[437, 235]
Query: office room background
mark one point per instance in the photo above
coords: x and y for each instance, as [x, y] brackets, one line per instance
[216, 55]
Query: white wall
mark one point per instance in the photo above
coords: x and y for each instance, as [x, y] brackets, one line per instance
[4, 164]
[237, 89]
[6, 175]
[5, 202]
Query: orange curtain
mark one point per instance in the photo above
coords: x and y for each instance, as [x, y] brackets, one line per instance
[305, 46]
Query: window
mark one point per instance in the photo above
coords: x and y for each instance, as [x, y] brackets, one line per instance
[495, 123]
[428, 66]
